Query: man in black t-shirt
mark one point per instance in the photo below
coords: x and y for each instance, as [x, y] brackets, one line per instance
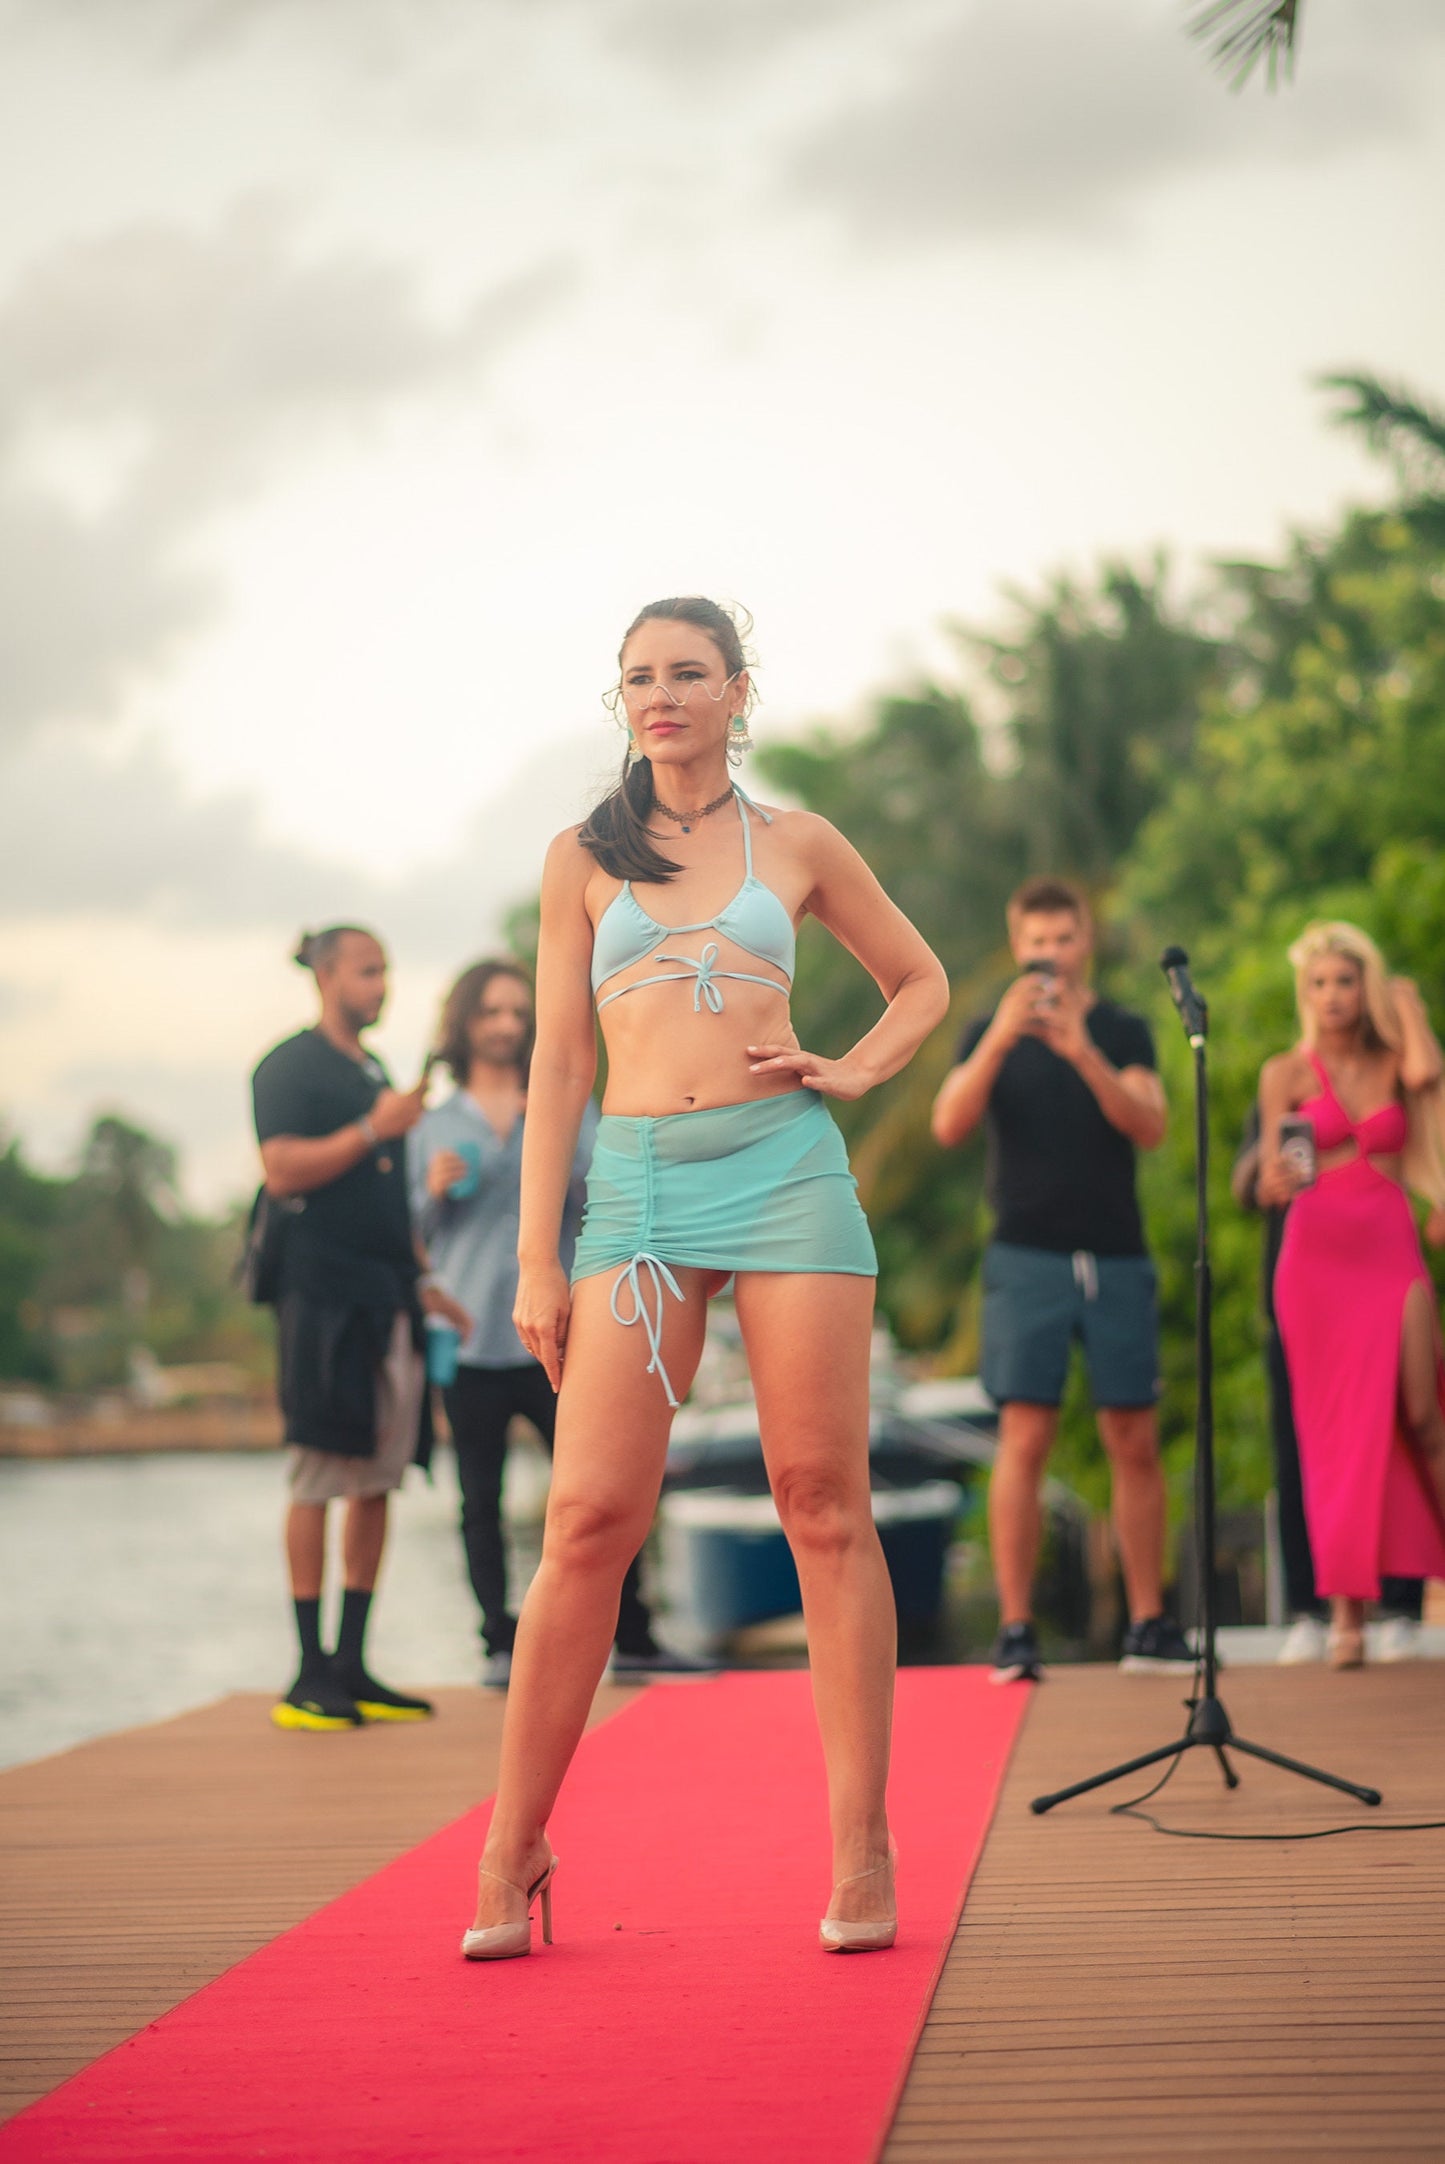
[349, 1309]
[1067, 1085]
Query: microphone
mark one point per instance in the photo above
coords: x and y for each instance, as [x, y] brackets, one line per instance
[1193, 1012]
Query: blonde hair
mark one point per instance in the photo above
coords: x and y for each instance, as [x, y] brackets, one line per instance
[1423, 1161]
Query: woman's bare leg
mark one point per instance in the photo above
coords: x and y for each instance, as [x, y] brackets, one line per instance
[1420, 1384]
[807, 1340]
[612, 1427]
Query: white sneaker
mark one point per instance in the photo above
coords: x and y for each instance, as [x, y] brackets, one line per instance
[1396, 1639]
[1305, 1642]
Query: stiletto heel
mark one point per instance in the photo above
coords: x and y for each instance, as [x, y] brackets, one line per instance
[836, 1935]
[504, 1942]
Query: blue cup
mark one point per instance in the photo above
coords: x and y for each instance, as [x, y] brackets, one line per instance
[471, 1155]
[443, 1343]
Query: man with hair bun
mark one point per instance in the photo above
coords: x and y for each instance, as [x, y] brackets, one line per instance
[350, 1292]
[1067, 1084]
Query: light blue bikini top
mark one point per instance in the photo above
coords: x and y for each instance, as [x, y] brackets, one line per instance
[754, 920]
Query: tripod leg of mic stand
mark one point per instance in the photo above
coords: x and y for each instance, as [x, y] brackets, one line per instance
[1231, 1778]
[1308, 1773]
[1041, 1804]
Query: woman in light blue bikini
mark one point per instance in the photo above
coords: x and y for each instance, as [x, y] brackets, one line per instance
[715, 1158]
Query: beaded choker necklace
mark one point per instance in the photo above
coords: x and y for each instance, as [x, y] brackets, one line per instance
[687, 820]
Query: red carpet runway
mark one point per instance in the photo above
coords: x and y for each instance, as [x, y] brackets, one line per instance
[685, 2015]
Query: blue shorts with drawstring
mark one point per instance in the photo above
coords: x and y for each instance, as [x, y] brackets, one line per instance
[1036, 1303]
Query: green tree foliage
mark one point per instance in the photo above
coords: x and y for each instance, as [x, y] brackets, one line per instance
[29, 1208]
[1100, 688]
[1243, 35]
[96, 1265]
[1400, 426]
[1324, 751]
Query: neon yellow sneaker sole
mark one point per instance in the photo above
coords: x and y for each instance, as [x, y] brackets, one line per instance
[285, 1715]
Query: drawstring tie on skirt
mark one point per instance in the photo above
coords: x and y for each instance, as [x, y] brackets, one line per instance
[661, 1277]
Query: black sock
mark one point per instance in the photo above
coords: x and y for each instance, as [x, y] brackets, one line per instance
[308, 1630]
[355, 1608]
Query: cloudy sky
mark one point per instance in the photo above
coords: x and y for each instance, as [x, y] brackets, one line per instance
[365, 363]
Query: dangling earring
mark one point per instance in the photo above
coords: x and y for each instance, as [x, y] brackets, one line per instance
[739, 739]
[631, 748]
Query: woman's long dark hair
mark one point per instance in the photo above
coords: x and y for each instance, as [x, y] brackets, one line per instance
[615, 831]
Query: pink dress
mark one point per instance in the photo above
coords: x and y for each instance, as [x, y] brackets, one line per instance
[1350, 1255]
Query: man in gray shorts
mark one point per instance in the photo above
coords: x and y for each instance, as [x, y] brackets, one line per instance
[1067, 1085]
[350, 1294]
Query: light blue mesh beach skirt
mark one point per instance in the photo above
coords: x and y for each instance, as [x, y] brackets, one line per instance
[758, 1186]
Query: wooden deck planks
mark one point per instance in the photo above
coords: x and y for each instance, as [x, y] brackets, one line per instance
[1116, 1994]
[1105, 1981]
[136, 1868]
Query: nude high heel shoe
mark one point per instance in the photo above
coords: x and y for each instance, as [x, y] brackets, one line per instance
[1345, 1647]
[503, 1942]
[836, 1935]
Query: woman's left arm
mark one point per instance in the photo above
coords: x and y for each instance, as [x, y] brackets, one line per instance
[1421, 1061]
[849, 901]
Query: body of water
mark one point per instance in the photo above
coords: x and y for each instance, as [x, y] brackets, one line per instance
[134, 1588]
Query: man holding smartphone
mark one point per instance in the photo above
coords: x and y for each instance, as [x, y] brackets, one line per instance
[1067, 1086]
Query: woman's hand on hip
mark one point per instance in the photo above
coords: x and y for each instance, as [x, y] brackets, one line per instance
[540, 1316]
[843, 1078]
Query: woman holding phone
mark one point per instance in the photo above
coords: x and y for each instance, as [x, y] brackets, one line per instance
[1350, 1116]
[670, 915]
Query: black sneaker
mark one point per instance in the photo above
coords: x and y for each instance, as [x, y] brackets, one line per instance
[316, 1702]
[374, 1702]
[1156, 1647]
[656, 1660]
[1015, 1657]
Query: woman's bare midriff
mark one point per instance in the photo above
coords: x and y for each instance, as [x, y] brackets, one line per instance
[663, 1058]
[1348, 1153]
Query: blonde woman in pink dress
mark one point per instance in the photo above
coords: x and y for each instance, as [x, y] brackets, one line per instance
[1355, 1306]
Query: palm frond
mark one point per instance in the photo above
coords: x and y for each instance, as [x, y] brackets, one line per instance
[1396, 423]
[1241, 33]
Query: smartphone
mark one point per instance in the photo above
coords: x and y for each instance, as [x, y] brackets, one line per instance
[1297, 1148]
[1048, 992]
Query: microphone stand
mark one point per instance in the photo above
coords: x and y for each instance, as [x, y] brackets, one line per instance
[1208, 1726]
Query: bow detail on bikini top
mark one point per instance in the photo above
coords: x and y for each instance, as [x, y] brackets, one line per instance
[754, 920]
[1380, 1134]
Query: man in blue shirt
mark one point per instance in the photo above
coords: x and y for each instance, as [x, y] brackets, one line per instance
[465, 1166]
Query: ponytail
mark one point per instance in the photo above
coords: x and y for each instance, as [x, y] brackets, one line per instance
[615, 831]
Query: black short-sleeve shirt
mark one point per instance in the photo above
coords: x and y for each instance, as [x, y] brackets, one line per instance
[308, 1086]
[1061, 1176]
